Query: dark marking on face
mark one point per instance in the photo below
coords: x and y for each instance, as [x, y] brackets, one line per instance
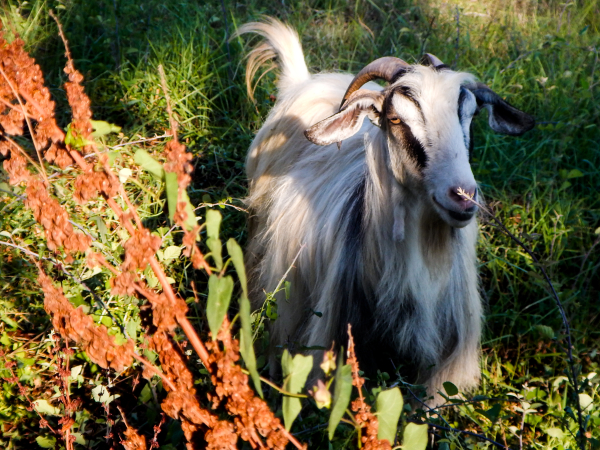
[410, 143]
[400, 132]
[462, 96]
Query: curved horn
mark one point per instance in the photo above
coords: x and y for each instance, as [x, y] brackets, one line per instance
[387, 68]
[432, 60]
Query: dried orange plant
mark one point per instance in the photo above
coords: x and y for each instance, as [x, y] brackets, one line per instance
[26, 109]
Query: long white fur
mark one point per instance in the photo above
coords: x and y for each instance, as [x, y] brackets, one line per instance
[298, 194]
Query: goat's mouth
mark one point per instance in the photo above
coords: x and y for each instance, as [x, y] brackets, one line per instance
[454, 218]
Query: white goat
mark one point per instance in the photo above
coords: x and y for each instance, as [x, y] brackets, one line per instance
[385, 239]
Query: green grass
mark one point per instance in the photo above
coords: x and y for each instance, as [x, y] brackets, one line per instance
[541, 56]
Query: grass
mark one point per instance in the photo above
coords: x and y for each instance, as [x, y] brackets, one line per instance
[541, 56]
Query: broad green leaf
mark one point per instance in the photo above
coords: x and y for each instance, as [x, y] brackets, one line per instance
[219, 296]
[101, 395]
[151, 278]
[246, 344]
[8, 321]
[146, 394]
[79, 439]
[341, 394]
[585, 401]
[415, 437]
[75, 141]
[213, 222]
[295, 373]
[43, 407]
[5, 340]
[172, 189]
[246, 347]
[124, 174]
[149, 164]
[491, 413]
[389, 407]
[190, 220]
[46, 441]
[102, 229]
[132, 327]
[450, 388]
[75, 372]
[555, 433]
[102, 128]
[575, 173]
[172, 252]
[545, 331]
[237, 257]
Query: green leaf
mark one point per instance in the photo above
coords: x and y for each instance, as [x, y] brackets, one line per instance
[5, 187]
[146, 394]
[5, 340]
[219, 296]
[545, 331]
[102, 128]
[213, 222]
[172, 252]
[555, 433]
[46, 441]
[246, 344]
[190, 220]
[585, 401]
[415, 437]
[43, 407]
[149, 164]
[450, 388]
[101, 395]
[124, 174]
[575, 173]
[389, 407]
[341, 394]
[8, 321]
[295, 373]
[132, 327]
[75, 141]
[102, 229]
[172, 189]
[491, 413]
[237, 257]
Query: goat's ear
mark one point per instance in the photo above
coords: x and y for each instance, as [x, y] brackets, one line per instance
[504, 118]
[348, 121]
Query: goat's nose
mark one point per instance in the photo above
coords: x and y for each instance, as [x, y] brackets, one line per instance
[463, 197]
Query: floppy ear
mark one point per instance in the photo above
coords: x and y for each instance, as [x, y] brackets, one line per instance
[504, 118]
[347, 122]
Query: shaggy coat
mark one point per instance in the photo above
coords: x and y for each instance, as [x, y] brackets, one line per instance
[373, 229]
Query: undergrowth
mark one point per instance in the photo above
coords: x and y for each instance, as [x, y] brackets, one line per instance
[541, 56]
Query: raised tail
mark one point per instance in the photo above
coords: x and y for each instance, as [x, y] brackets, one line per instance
[282, 42]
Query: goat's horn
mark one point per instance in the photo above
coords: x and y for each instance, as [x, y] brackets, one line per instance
[432, 60]
[387, 68]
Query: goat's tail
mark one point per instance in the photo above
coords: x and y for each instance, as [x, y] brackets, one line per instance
[282, 42]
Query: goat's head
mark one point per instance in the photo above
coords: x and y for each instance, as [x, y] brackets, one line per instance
[425, 113]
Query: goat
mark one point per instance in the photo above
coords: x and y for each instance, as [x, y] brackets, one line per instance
[380, 214]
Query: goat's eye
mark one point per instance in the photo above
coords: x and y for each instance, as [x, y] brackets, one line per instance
[395, 120]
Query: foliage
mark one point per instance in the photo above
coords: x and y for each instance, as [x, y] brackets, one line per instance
[542, 56]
